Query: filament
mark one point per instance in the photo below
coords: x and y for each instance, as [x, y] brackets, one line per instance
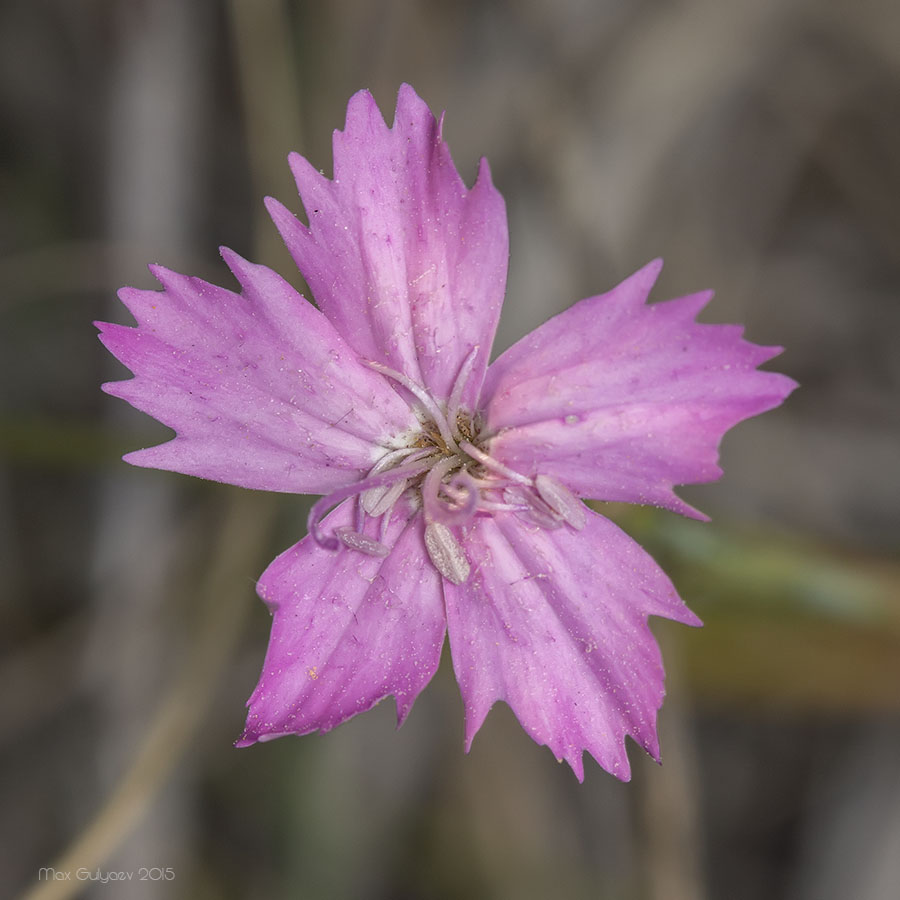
[323, 504]
[424, 398]
[491, 463]
[465, 370]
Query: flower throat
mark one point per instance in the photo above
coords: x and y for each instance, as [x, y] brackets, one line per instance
[445, 468]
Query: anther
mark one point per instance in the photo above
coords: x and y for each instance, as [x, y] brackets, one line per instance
[323, 504]
[562, 501]
[445, 553]
[357, 541]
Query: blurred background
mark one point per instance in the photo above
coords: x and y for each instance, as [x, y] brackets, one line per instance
[756, 146]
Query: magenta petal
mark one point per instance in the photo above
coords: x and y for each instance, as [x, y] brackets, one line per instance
[620, 400]
[260, 388]
[554, 623]
[408, 263]
[348, 630]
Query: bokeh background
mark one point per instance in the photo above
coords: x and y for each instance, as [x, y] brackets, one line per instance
[756, 146]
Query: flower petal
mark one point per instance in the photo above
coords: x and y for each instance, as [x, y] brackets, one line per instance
[260, 388]
[619, 400]
[554, 623]
[408, 263]
[349, 629]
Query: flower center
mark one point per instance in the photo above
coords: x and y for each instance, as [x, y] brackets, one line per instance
[445, 468]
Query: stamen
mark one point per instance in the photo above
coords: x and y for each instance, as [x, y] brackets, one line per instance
[389, 458]
[533, 507]
[491, 463]
[424, 398]
[323, 504]
[377, 501]
[489, 483]
[445, 553]
[373, 501]
[383, 527]
[465, 370]
[494, 506]
[356, 541]
[562, 501]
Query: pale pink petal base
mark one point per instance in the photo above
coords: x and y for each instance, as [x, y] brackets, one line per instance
[554, 623]
[620, 400]
[406, 261]
[260, 388]
[348, 630]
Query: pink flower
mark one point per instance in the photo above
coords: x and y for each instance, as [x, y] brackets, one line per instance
[456, 483]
